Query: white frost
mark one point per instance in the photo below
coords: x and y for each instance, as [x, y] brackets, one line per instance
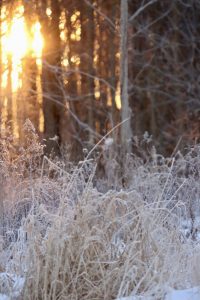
[188, 294]
[11, 286]
[108, 143]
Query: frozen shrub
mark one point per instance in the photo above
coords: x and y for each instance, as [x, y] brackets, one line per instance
[74, 233]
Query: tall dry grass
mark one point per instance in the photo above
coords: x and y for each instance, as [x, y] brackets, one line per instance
[74, 236]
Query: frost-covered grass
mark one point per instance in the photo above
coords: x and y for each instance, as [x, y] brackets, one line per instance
[72, 235]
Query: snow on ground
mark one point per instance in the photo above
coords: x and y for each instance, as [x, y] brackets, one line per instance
[188, 294]
[4, 297]
[133, 298]
[190, 228]
[11, 286]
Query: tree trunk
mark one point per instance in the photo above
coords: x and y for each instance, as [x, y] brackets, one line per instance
[87, 60]
[52, 77]
[9, 95]
[31, 73]
[91, 98]
[125, 110]
[1, 98]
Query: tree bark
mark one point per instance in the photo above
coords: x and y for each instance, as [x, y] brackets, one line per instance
[52, 77]
[125, 109]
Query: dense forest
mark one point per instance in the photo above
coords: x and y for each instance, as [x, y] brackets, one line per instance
[76, 69]
[99, 149]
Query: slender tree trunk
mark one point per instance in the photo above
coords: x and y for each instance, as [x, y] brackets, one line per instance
[87, 59]
[91, 100]
[102, 67]
[31, 72]
[1, 98]
[125, 110]
[9, 95]
[75, 107]
[113, 79]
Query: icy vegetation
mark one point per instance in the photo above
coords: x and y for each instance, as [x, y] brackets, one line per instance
[128, 232]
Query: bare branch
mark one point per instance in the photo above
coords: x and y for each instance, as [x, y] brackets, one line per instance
[101, 14]
[140, 10]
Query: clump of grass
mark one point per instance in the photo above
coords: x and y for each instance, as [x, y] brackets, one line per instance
[71, 240]
[106, 246]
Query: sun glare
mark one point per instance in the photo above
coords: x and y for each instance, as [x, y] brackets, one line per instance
[37, 42]
[17, 43]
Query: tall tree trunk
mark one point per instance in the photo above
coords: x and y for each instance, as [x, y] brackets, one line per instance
[75, 107]
[87, 60]
[102, 67]
[91, 99]
[52, 77]
[9, 95]
[31, 73]
[125, 110]
[113, 48]
[1, 98]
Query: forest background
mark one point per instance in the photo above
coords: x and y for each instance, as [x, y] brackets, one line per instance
[76, 69]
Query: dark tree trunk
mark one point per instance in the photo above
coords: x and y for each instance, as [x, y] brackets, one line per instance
[28, 106]
[52, 77]
[87, 60]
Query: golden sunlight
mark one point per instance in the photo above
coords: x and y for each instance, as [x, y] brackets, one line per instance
[16, 41]
[37, 42]
[16, 44]
[19, 42]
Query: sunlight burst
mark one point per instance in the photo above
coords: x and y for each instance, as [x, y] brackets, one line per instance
[18, 43]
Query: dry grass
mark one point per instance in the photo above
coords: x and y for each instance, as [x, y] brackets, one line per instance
[71, 241]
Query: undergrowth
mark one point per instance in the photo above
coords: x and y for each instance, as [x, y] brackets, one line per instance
[74, 233]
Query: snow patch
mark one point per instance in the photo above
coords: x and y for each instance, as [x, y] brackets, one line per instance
[4, 297]
[11, 286]
[108, 143]
[188, 294]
